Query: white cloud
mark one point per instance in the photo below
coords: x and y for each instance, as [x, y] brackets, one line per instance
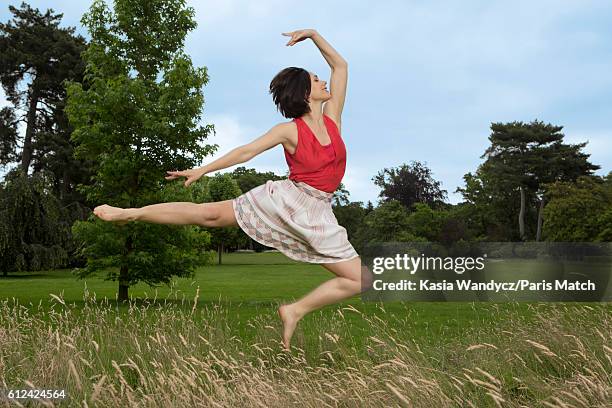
[358, 181]
[229, 132]
[232, 132]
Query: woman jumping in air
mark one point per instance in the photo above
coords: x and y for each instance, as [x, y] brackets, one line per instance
[293, 215]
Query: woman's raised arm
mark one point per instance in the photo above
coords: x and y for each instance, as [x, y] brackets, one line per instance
[339, 72]
[333, 58]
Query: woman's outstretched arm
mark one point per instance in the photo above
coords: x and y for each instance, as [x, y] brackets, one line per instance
[277, 135]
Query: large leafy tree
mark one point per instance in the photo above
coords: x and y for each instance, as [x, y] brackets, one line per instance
[136, 114]
[410, 184]
[36, 56]
[524, 157]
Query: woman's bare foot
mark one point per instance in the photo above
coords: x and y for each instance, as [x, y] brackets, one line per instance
[119, 215]
[290, 318]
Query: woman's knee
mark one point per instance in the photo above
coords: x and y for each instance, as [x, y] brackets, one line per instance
[207, 214]
[354, 270]
[351, 269]
[218, 214]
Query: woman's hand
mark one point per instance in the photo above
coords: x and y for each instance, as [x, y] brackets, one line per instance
[299, 35]
[192, 175]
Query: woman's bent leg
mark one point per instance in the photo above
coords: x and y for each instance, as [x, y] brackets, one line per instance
[351, 279]
[217, 214]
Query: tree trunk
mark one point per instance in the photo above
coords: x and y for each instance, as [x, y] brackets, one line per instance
[123, 275]
[123, 286]
[26, 155]
[220, 250]
[540, 218]
[521, 219]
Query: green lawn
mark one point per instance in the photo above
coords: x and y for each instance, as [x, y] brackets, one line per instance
[250, 284]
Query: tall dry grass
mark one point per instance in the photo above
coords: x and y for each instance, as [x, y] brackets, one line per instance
[169, 355]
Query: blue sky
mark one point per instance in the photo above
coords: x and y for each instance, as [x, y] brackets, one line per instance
[426, 79]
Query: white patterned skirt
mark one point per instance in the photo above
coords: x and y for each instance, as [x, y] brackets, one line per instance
[295, 218]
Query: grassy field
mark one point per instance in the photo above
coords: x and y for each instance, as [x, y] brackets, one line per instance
[247, 285]
[214, 340]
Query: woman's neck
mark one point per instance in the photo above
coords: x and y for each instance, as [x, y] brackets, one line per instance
[315, 116]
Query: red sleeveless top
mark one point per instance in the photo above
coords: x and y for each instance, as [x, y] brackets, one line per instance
[320, 166]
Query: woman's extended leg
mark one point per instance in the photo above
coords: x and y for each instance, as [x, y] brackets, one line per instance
[217, 214]
[351, 279]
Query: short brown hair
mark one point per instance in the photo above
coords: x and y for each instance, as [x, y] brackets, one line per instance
[290, 89]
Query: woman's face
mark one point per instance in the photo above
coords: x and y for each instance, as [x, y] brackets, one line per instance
[318, 89]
